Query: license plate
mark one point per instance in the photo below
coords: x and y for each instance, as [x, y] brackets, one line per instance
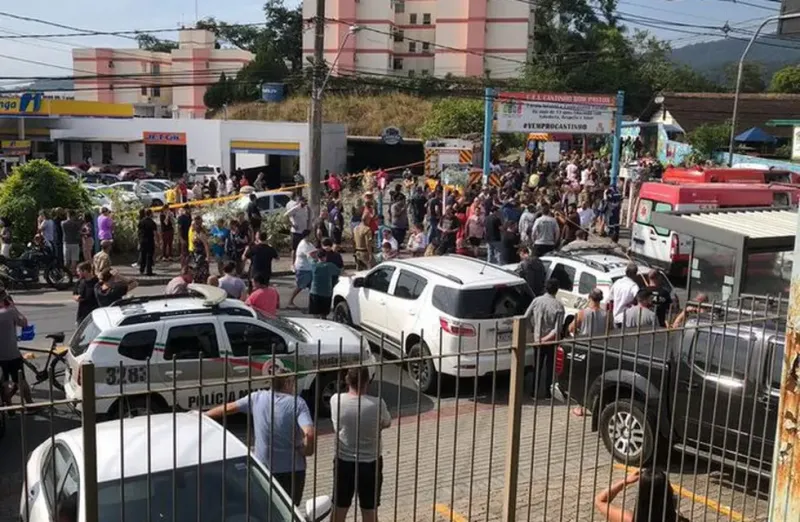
[504, 337]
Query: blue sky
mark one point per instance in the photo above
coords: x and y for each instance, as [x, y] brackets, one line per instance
[55, 59]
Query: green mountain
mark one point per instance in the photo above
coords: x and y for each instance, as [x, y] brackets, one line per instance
[710, 58]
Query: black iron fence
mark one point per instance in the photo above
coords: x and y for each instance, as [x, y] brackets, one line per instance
[679, 420]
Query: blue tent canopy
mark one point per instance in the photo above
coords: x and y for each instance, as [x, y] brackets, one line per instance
[755, 135]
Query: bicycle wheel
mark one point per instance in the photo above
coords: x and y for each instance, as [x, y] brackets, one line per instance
[57, 370]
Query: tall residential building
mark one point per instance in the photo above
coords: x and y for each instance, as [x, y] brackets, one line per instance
[426, 37]
[158, 84]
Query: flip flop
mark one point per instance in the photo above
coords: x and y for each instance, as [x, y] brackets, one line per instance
[579, 412]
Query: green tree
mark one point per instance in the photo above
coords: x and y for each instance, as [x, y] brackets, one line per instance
[148, 42]
[752, 77]
[35, 186]
[453, 117]
[786, 80]
[708, 138]
[220, 93]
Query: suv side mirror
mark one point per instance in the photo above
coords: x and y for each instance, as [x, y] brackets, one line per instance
[359, 282]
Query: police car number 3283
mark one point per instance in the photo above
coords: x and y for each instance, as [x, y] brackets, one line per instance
[126, 375]
[195, 351]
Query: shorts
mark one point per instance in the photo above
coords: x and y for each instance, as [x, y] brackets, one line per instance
[319, 304]
[296, 238]
[286, 479]
[303, 279]
[72, 254]
[11, 370]
[368, 484]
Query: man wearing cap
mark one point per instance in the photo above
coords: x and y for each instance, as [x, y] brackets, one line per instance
[283, 427]
[102, 260]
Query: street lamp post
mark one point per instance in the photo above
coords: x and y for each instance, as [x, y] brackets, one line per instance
[777, 18]
[315, 117]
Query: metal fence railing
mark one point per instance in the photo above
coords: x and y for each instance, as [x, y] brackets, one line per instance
[691, 409]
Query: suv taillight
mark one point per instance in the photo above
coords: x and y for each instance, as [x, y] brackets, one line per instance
[458, 329]
[559, 360]
[674, 247]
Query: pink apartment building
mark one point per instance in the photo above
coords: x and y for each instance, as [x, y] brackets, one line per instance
[422, 37]
[157, 84]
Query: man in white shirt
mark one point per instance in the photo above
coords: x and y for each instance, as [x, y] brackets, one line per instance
[586, 213]
[623, 293]
[572, 171]
[302, 266]
[545, 233]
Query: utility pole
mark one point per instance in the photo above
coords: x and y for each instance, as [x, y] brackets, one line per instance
[315, 117]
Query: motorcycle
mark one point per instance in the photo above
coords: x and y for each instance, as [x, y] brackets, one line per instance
[26, 269]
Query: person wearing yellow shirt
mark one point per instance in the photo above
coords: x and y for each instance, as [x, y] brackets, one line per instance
[172, 196]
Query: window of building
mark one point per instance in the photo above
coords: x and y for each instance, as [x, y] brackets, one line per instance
[426, 19]
[424, 72]
[156, 93]
[412, 19]
[412, 47]
[426, 46]
[156, 69]
[398, 64]
[144, 90]
[399, 6]
[412, 73]
[399, 36]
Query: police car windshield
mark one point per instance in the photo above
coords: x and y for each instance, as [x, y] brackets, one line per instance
[197, 498]
[284, 325]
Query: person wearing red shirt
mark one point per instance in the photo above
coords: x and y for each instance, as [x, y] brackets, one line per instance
[264, 298]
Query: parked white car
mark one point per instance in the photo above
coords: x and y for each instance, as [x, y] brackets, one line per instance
[178, 345]
[440, 310]
[580, 271]
[268, 202]
[150, 195]
[185, 458]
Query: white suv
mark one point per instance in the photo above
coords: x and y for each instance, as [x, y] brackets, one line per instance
[201, 350]
[580, 271]
[441, 310]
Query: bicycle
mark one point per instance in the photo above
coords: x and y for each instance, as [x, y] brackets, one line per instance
[54, 367]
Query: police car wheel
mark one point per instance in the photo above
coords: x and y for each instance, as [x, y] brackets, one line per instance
[330, 385]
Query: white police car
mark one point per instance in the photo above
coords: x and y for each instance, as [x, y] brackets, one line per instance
[202, 350]
[182, 469]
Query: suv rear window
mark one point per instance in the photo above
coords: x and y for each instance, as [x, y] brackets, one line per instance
[484, 303]
[83, 336]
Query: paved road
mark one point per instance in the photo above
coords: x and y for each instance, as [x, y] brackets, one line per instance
[445, 462]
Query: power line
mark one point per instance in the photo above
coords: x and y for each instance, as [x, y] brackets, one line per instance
[54, 24]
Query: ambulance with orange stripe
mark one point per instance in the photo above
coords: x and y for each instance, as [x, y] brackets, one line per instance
[155, 353]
